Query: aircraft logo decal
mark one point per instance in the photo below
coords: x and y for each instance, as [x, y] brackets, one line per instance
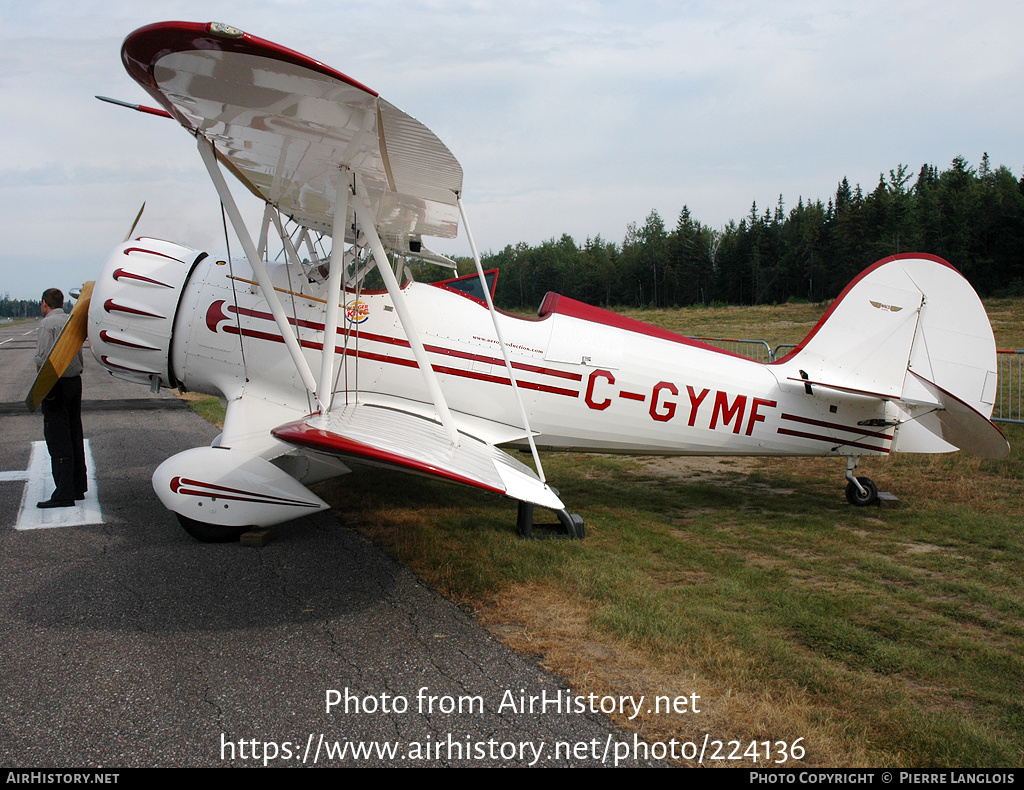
[356, 311]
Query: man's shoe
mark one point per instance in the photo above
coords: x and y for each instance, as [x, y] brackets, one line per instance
[56, 503]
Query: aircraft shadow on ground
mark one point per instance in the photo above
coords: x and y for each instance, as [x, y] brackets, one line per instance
[152, 577]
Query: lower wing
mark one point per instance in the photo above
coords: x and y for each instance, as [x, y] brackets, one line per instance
[411, 443]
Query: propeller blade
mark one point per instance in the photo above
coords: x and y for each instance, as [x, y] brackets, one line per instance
[69, 342]
[137, 218]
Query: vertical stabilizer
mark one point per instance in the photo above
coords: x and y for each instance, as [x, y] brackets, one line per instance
[910, 330]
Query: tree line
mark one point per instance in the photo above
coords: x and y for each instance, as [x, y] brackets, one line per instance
[972, 217]
[19, 308]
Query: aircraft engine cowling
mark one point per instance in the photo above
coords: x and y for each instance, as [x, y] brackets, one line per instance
[134, 303]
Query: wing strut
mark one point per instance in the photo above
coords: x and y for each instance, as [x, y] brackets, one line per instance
[334, 282]
[501, 341]
[381, 259]
[210, 160]
[268, 215]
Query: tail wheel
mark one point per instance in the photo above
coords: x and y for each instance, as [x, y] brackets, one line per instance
[210, 533]
[868, 497]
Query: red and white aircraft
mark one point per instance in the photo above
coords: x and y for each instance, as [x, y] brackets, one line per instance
[430, 378]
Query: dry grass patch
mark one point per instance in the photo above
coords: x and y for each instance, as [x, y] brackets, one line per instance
[209, 407]
[1007, 319]
[540, 620]
[775, 324]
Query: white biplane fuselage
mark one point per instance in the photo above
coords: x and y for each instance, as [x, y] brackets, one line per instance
[431, 380]
[591, 380]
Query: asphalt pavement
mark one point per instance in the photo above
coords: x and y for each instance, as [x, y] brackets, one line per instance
[126, 643]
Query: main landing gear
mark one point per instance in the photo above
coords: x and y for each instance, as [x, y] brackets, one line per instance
[569, 526]
[210, 533]
[860, 491]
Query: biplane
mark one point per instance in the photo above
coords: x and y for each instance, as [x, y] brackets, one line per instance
[320, 371]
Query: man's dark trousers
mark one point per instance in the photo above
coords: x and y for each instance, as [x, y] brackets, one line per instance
[62, 429]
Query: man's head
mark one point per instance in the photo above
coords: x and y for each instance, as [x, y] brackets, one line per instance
[53, 299]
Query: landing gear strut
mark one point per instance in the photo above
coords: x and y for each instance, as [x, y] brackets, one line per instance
[860, 491]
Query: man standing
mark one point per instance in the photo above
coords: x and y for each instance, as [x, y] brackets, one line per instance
[62, 410]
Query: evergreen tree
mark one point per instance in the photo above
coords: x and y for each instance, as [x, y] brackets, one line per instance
[973, 219]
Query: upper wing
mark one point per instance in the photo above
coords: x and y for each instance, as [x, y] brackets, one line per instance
[411, 443]
[284, 124]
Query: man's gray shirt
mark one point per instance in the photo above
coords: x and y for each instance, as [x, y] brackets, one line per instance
[49, 330]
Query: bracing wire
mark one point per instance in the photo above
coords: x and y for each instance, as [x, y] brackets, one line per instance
[234, 292]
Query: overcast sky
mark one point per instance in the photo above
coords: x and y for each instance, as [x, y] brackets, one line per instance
[567, 117]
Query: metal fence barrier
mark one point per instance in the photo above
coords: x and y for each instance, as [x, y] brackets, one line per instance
[1007, 407]
[781, 350]
[758, 350]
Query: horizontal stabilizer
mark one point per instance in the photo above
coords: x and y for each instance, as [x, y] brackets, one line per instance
[839, 388]
[411, 443]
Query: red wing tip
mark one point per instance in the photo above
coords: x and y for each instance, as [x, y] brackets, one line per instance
[144, 47]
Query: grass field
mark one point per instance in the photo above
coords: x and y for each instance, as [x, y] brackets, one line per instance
[872, 637]
[209, 407]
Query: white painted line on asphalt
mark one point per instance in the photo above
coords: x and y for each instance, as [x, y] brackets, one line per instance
[39, 487]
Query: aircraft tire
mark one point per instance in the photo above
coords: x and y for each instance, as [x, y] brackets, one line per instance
[855, 497]
[210, 533]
